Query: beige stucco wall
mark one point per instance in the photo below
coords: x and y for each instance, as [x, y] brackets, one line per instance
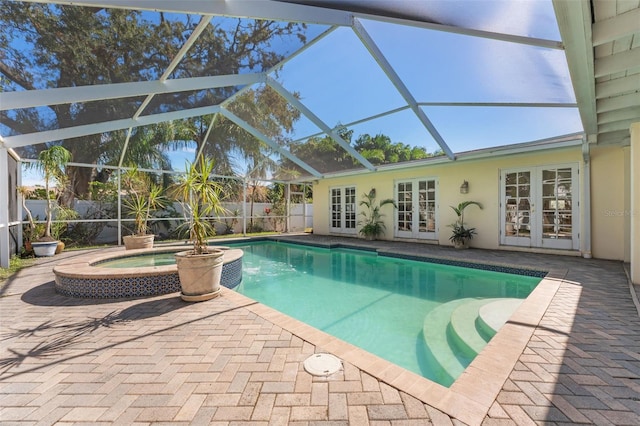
[609, 202]
[483, 177]
[634, 203]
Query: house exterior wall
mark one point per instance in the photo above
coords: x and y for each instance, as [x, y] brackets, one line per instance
[634, 203]
[609, 192]
[610, 202]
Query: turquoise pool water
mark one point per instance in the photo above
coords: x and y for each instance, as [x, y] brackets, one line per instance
[377, 303]
[140, 261]
[374, 302]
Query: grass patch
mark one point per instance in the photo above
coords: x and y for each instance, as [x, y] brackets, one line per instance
[15, 264]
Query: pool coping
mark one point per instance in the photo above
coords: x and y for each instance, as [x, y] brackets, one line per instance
[471, 396]
[85, 266]
[83, 276]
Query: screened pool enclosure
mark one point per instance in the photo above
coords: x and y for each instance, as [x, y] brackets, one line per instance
[279, 93]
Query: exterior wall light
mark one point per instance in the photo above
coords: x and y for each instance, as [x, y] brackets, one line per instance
[464, 188]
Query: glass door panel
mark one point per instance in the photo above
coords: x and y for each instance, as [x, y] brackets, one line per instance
[539, 208]
[517, 212]
[336, 208]
[405, 209]
[416, 214]
[343, 210]
[427, 205]
[350, 208]
[557, 208]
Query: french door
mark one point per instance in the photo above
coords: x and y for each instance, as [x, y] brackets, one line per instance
[416, 213]
[539, 207]
[343, 209]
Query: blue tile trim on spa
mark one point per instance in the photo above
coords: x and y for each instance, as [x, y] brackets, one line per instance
[127, 287]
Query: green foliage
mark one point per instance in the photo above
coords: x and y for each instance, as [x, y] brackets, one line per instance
[15, 265]
[379, 149]
[460, 234]
[143, 198]
[372, 225]
[49, 46]
[230, 223]
[62, 214]
[200, 197]
[323, 153]
[52, 162]
[104, 196]
[103, 192]
[459, 209]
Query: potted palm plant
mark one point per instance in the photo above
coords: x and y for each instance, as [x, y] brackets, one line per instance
[372, 225]
[461, 235]
[51, 163]
[143, 198]
[200, 268]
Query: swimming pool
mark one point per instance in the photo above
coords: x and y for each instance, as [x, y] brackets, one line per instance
[424, 317]
[381, 304]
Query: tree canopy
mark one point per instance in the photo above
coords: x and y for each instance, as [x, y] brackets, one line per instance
[325, 154]
[51, 46]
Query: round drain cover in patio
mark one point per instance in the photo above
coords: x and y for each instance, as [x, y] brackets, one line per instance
[322, 364]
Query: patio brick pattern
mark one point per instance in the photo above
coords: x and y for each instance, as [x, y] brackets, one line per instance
[159, 360]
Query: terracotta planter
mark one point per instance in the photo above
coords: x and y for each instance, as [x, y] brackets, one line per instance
[60, 247]
[44, 248]
[133, 242]
[199, 275]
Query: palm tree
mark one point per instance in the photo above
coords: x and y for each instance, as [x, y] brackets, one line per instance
[460, 210]
[257, 192]
[372, 223]
[461, 235]
[200, 197]
[52, 162]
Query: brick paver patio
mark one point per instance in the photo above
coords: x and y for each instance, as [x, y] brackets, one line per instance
[231, 361]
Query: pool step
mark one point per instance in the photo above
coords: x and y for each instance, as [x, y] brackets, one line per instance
[438, 347]
[494, 315]
[457, 331]
[463, 329]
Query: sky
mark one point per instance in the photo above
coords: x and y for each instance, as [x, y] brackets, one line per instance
[340, 81]
[443, 68]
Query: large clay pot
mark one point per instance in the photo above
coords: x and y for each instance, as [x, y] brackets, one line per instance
[60, 247]
[44, 248]
[133, 242]
[199, 274]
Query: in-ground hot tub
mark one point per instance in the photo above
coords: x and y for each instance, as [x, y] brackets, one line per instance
[83, 276]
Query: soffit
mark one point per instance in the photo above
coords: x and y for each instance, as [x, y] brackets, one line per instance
[602, 41]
